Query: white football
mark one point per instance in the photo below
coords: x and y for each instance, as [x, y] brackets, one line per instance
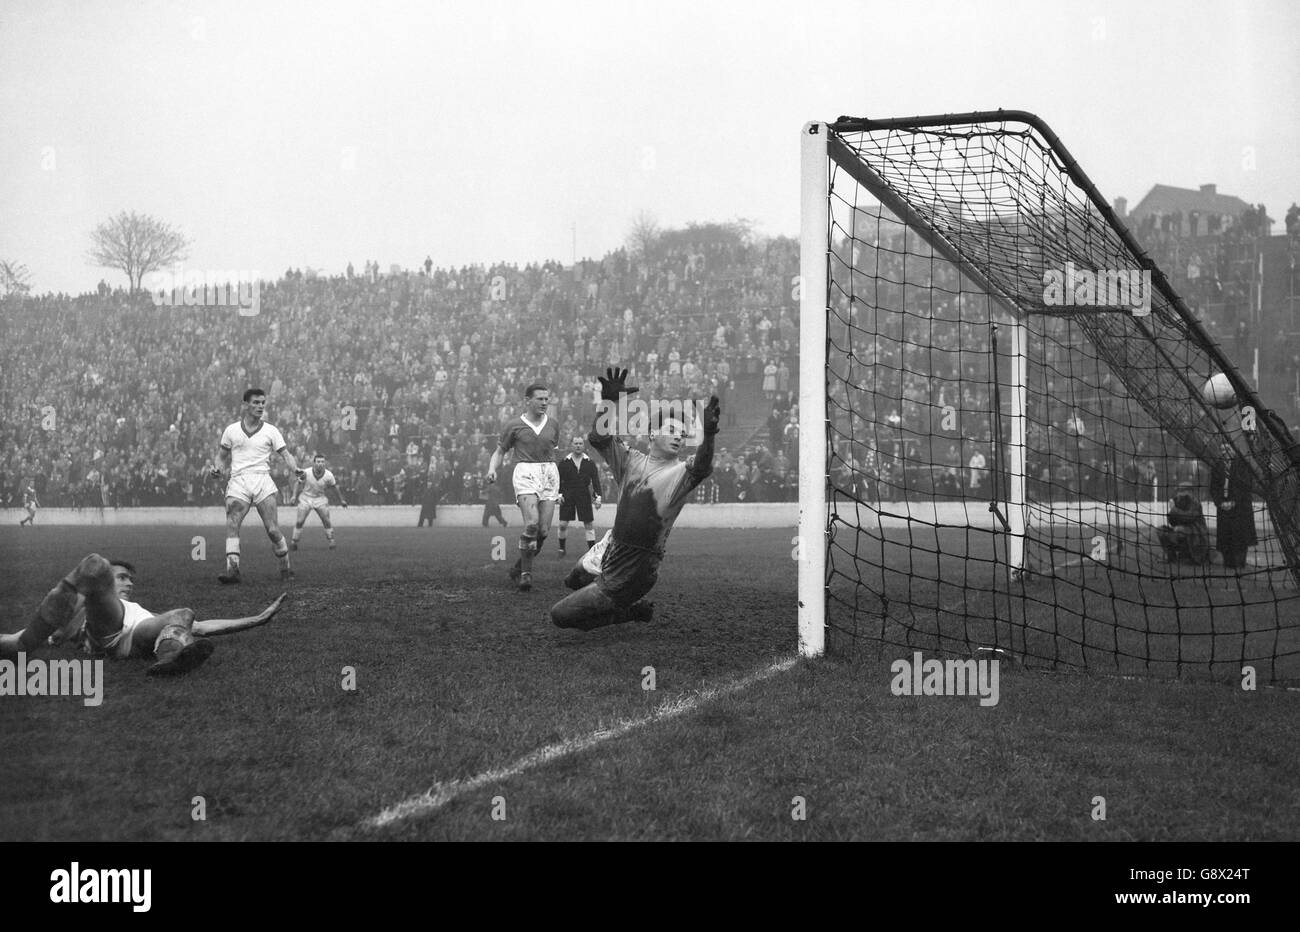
[1218, 392]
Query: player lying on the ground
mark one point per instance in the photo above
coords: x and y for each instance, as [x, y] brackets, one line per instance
[1186, 536]
[246, 450]
[311, 493]
[654, 488]
[91, 607]
[534, 438]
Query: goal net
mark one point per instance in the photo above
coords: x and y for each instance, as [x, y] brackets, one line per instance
[1014, 397]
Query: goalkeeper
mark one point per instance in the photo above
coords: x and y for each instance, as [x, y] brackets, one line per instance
[654, 488]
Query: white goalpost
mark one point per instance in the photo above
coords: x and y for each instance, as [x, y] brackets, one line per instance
[813, 435]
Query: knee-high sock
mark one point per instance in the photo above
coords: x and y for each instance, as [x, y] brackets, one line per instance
[527, 547]
[280, 547]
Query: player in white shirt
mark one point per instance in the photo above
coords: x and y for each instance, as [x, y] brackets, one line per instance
[246, 450]
[92, 607]
[311, 493]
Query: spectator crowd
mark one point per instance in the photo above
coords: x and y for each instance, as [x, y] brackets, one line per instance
[403, 380]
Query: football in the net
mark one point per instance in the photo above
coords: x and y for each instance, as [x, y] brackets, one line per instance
[1218, 392]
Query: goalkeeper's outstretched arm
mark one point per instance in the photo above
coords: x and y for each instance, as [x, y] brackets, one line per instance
[605, 428]
[702, 462]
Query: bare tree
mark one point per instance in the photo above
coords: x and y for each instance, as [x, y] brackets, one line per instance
[14, 279]
[644, 233]
[137, 244]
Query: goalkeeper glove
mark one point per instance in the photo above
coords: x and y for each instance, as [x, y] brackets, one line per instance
[612, 384]
[712, 414]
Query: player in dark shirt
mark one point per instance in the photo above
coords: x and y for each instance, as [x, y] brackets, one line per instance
[654, 488]
[534, 437]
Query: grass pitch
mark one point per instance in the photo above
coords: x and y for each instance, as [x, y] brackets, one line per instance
[457, 675]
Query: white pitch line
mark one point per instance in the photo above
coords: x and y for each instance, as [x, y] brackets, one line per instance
[442, 793]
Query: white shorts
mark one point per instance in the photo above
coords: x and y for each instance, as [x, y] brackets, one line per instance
[593, 558]
[250, 488]
[319, 505]
[120, 644]
[540, 479]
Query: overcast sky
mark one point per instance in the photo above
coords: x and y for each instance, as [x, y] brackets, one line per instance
[311, 134]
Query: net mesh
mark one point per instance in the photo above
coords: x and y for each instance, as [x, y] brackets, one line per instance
[1015, 396]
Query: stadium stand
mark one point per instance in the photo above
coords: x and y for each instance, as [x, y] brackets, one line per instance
[403, 378]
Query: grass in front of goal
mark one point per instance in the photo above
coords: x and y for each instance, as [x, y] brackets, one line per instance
[457, 674]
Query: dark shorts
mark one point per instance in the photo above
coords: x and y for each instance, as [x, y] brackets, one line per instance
[582, 508]
[628, 573]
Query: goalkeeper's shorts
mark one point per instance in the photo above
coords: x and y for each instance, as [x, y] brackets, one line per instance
[592, 559]
[628, 572]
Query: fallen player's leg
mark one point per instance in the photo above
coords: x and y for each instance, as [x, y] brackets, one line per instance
[182, 642]
[176, 648]
[92, 580]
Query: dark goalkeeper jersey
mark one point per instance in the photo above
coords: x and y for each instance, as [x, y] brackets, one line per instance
[652, 491]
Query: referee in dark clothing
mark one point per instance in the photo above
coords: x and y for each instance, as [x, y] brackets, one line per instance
[580, 488]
